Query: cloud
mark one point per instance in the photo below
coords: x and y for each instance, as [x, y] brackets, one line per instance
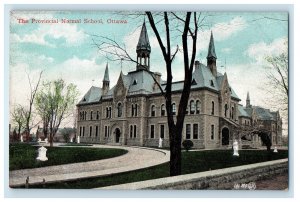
[259, 51]
[221, 31]
[69, 32]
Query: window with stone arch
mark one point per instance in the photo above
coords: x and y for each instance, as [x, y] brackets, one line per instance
[174, 109]
[163, 110]
[225, 110]
[152, 110]
[192, 107]
[119, 108]
[197, 107]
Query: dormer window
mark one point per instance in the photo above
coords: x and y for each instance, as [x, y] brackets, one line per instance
[212, 83]
[84, 99]
[134, 82]
[193, 82]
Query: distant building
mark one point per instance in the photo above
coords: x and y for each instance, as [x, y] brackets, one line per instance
[133, 111]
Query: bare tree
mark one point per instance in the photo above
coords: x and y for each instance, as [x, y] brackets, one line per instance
[190, 23]
[278, 78]
[28, 113]
[18, 117]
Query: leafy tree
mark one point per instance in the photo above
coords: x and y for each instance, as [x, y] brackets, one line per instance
[55, 102]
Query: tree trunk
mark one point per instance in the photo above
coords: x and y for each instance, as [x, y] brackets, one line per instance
[175, 152]
[51, 139]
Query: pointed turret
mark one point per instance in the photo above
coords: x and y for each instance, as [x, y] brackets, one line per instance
[248, 105]
[211, 56]
[143, 49]
[105, 81]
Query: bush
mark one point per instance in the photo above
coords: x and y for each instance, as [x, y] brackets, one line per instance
[187, 144]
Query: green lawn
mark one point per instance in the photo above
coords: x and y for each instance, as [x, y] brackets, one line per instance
[195, 161]
[23, 155]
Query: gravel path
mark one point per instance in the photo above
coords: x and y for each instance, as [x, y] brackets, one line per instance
[136, 158]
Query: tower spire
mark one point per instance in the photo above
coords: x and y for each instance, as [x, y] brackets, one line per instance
[143, 49]
[248, 100]
[106, 75]
[105, 81]
[211, 56]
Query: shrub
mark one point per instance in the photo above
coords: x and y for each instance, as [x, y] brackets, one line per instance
[187, 144]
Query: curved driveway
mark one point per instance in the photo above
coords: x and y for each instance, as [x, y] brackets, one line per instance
[136, 158]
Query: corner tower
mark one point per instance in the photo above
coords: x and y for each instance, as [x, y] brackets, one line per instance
[143, 50]
[211, 56]
[105, 81]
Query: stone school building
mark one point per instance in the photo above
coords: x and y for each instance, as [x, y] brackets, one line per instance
[133, 111]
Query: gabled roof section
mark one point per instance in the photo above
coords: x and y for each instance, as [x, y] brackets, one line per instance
[143, 43]
[93, 95]
[243, 112]
[263, 114]
[211, 48]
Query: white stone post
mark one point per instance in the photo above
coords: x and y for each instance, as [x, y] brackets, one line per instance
[78, 139]
[235, 148]
[160, 142]
[42, 154]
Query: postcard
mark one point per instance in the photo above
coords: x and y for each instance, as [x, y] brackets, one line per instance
[148, 100]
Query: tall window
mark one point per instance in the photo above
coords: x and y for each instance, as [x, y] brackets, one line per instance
[96, 131]
[85, 115]
[192, 107]
[197, 107]
[134, 131]
[152, 131]
[134, 110]
[173, 109]
[97, 116]
[212, 136]
[131, 131]
[106, 132]
[225, 110]
[163, 110]
[80, 129]
[119, 109]
[232, 112]
[91, 130]
[91, 115]
[212, 108]
[153, 110]
[188, 131]
[83, 130]
[195, 131]
[108, 112]
[162, 131]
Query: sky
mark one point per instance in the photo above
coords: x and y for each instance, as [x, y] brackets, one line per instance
[66, 50]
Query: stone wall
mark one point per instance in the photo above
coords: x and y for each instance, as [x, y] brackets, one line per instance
[216, 179]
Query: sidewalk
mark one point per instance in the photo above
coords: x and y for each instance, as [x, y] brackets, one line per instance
[136, 158]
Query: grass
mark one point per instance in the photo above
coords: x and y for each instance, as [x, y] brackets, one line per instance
[22, 156]
[196, 161]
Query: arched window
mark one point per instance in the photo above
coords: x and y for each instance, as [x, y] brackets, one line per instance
[162, 110]
[225, 110]
[173, 109]
[197, 107]
[153, 110]
[212, 108]
[91, 115]
[232, 112]
[192, 107]
[119, 109]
